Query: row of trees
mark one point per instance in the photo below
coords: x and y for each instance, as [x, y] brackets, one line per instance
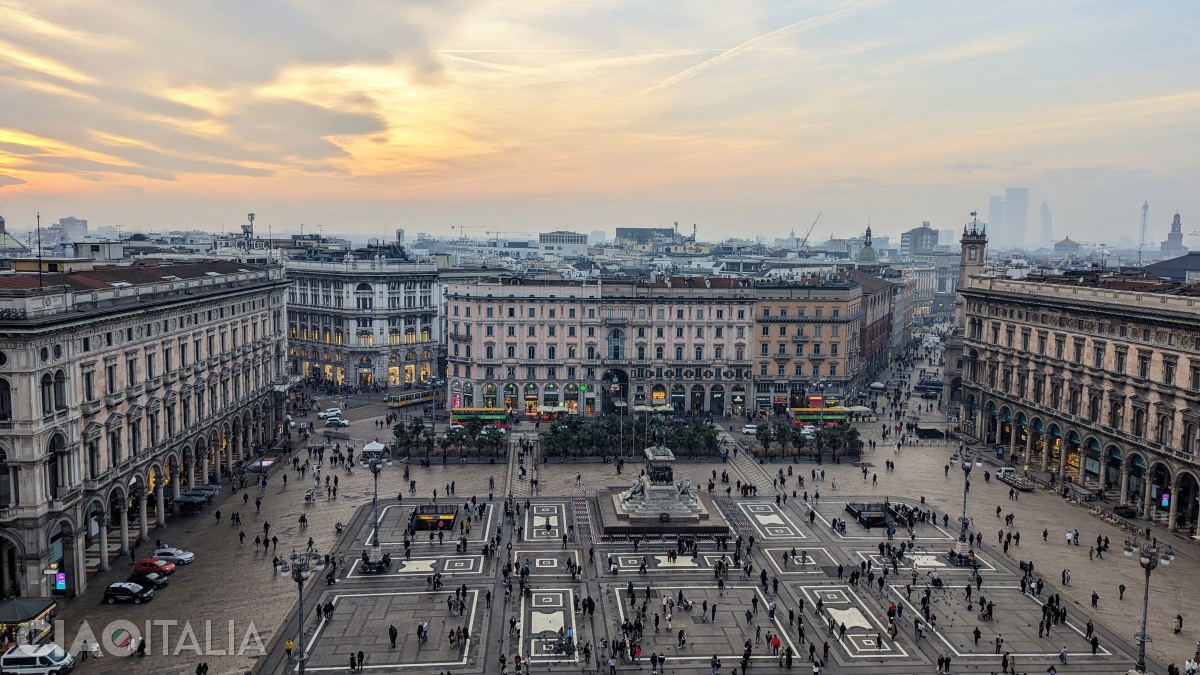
[474, 439]
[612, 434]
[781, 439]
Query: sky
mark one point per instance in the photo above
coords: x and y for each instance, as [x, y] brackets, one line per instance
[744, 118]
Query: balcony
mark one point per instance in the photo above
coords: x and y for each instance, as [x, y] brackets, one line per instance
[800, 338]
[114, 398]
[463, 337]
[171, 376]
[783, 357]
[97, 484]
[214, 361]
[224, 357]
[199, 367]
[817, 357]
[91, 407]
[65, 497]
[154, 383]
[133, 391]
[590, 362]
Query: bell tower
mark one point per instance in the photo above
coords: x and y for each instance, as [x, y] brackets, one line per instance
[974, 251]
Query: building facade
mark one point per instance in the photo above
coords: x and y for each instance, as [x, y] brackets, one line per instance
[1095, 378]
[119, 385]
[875, 336]
[806, 341]
[363, 318]
[681, 344]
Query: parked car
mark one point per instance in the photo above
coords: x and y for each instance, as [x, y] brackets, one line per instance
[43, 659]
[331, 412]
[808, 430]
[750, 429]
[124, 591]
[175, 555]
[336, 422]
[147, 565]
[149, 580]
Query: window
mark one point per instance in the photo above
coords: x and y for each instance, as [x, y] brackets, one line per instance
[1094, 408]
[718, 352]
[766, 331]
[658, 352]
[765, 349]
[1143, 366]
[488, 331]
[532, 313]
[679, 332]
[531, 352]
[110, 378]
[720, 332]
[720, 314]
[699, 353]
[1116, 414]
[762, 369]
[130, 372]
[641, 353]
[89, 385]
[1077, 355]
[783, 331]
[570, 312]
[679, 353]
[700, 332]
[531, 331]
[780, 369]
[512, 351]
[1041, 345]
[1119, 366]
[783, 348]
[488, 312]
[570, 331]
[1098, 357]
[741, 314]
[551, 352]
[512, 331]
[1059, 345]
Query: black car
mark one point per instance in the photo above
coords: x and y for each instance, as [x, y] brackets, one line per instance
[124, 591]
[150, 580]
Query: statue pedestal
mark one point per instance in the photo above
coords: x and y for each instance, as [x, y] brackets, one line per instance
[656, 504]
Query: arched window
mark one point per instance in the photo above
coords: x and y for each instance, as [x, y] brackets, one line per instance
[512, 352]
[60, 390]
[7, 492]
[641, 353]
[5, 402]
[47, 391]
[591, 352]
[531, 350]
[616, 344]
[658, 352]
[489, 352]
[679, 353]
[699, 353]
[1164, 428]
[551, 352]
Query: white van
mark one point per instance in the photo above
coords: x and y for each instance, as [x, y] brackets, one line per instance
[750, 429]
[47, 659]
[1006, 471]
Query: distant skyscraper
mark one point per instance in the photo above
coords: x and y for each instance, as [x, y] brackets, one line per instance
[1016, 216]
[995, 219]
[1047, 239]
[945, 238]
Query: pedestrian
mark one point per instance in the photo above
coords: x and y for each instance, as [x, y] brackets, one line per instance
[257, 504]
[218, 515]
[287, 647]
[1121, 590]
[1096, 600]
[1178, 623]
[392, 632]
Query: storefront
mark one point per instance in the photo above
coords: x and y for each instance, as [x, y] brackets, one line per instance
[678, 398]
[779, 404]
[531, 399]
[571, 398]
[456, 397]
[716, 400]
[658, 395]
[510, 397]
[550, 396]
[737, 400]
[489, 395]
[469, 395]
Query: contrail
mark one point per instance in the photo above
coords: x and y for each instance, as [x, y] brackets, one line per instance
[790, 29]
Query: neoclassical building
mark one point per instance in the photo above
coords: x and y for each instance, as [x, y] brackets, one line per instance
[1094, 377]
[587, 347]
[120, 386]
[365, 317]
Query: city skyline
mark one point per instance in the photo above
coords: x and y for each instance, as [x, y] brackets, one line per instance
[746, 118]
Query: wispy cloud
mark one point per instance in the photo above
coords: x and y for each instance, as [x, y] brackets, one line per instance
[762, 41]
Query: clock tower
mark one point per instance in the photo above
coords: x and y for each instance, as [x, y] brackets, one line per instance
[974, 250]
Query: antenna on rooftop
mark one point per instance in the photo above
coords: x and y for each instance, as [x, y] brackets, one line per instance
[39, 255]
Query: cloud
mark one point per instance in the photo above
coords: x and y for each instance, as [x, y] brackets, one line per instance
[11, 180]
[761, 41]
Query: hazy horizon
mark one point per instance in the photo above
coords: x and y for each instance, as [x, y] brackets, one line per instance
[746, 118]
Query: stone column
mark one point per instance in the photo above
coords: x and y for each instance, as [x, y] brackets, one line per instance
[143, 526]
[103, 516]
[175, 484]
[1028, 443]
[1045, 460]
[1172, 508]
[77, 580]
[230, 447]
[1062, 462]
[161, 505]
[124, 530]
[1124, 481]
[1147, 496]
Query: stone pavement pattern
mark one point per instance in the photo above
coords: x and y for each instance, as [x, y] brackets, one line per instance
[232, 581]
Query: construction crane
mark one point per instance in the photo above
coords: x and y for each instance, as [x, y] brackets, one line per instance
[1145, 221]
[804, 242]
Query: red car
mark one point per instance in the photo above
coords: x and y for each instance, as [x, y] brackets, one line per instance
[147, 565]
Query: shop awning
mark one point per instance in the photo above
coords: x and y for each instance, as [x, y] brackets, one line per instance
[552, 408]
[20, 610]
[642, 408]
[663, 408]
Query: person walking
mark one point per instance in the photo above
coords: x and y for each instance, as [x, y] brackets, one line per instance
[392, 633]
[287, 647]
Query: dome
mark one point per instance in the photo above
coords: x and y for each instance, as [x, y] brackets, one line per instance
[867, 254]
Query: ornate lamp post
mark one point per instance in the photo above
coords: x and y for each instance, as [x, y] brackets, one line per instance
[1150, 559]
[963, 519]
[376, 465]
[300, 572]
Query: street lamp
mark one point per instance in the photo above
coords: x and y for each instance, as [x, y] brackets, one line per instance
[1149, 560]
[966, 461]
[300, 573]
[819, 385]
[376, 465]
